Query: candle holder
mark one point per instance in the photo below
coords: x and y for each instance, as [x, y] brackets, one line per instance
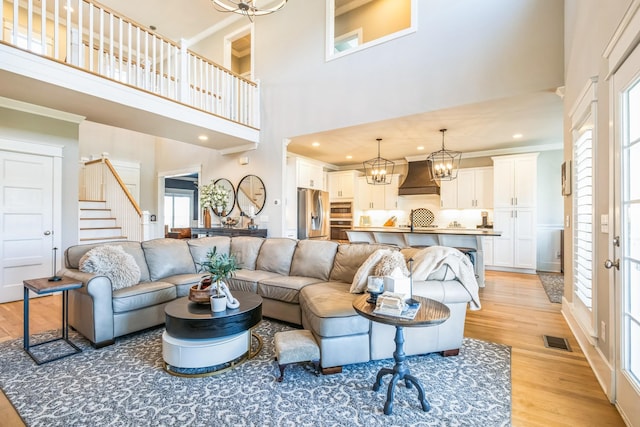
[375, 286]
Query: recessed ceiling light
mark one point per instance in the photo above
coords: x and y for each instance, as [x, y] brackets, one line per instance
[315, 144]
[203, 138]
[420, 147]
[517, 135]
[349, 157]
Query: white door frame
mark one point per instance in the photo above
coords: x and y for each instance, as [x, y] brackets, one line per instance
[623, 49]
[55, 152]
[168, 174]
[235, 35]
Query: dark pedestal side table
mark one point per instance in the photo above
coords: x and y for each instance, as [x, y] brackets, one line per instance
[431, 313]
[41, 287]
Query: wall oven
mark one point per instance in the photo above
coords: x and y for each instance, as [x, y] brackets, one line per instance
[340, 220]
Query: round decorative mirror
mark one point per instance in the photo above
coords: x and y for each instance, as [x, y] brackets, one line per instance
[251, 195]
[231, 197]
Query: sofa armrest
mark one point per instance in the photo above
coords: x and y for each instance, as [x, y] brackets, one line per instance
[91, 307]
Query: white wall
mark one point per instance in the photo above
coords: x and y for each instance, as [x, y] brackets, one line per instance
[463, 52]
[23, 126]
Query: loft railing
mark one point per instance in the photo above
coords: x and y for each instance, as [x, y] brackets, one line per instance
[91, 37]
[100, 181]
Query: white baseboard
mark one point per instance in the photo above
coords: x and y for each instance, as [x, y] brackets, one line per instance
[600, 366]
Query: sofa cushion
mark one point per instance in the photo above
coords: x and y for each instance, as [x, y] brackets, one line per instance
[143, 295]
[246, 250]
[183, 282]
[359, 283]
[349, 258]
[247, 280]
[284, 288]
[200, 247]
[168, 257]
[74, 253]
[314, 258]
[276, 254]
[328, 308]
[111, 261]
[446, 292]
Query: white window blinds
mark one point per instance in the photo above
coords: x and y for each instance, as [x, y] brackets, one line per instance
[583, 217]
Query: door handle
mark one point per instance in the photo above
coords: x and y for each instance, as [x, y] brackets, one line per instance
[608, 264]
[48, 233]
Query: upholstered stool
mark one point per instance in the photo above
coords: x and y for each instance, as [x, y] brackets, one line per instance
[296, 346]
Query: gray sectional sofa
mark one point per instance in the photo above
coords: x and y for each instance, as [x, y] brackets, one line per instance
[304, 282]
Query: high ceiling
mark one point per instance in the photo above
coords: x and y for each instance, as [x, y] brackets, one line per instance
[476, 128]
[471, 128]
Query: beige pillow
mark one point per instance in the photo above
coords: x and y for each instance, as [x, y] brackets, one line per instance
[359, 284]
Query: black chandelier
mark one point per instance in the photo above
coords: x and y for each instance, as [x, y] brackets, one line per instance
[444, 163]
[378, 171]
[247, 8]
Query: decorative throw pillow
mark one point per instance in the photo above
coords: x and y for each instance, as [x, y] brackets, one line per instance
[111, 261]
[359, 283]
[392, 264]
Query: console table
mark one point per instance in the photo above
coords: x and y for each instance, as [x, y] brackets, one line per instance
[430, 313]
[224, 231]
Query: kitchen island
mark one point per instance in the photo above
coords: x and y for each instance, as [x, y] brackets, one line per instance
[471, 238]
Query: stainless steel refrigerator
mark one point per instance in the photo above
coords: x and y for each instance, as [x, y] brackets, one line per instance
[313, 214]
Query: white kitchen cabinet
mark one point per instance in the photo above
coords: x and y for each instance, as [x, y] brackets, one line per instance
[472, 189]
[475, 188]
[380, 197]
[449, 194]
[514, 212]
[515, 180]
[342, 185]
[309, 175]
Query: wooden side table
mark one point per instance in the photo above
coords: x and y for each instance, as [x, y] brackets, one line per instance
[430, 313]
[41, 287]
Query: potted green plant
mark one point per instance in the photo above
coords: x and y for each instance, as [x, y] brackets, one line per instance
[218, 266]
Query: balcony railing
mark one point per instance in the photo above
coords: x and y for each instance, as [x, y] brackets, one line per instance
[96, 39]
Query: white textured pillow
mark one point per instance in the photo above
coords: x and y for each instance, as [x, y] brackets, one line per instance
[359, 283]
[111, 261]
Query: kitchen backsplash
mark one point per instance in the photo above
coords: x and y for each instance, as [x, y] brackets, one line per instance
[468, 218]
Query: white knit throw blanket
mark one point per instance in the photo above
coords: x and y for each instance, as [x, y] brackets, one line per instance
[430, 259]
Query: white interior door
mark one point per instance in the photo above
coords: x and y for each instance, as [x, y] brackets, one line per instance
[26, 220]
[627, 233]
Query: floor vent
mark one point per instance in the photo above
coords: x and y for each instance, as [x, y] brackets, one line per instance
[556, 342]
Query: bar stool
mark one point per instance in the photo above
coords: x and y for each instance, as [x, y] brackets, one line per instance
[471, 253]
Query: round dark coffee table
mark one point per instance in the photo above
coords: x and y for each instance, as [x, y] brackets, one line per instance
[198, 342]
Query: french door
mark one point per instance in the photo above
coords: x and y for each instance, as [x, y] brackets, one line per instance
[626, 262]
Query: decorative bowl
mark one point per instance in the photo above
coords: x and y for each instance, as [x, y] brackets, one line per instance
[200, 296]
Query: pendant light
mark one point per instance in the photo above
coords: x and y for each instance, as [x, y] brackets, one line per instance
[247, 8]
[444, 163]
[378, 171]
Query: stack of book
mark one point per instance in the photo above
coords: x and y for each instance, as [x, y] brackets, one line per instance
[393, 304]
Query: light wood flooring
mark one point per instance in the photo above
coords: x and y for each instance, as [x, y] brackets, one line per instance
[549, 387]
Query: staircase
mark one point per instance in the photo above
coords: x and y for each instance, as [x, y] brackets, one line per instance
[97, 224]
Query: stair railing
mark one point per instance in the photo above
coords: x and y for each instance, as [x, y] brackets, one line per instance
[88, 36]
[100, 181]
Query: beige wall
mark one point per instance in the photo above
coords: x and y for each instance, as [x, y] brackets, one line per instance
[28, 127]
[589, 26]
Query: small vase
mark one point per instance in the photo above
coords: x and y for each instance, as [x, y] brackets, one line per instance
[206, 218]
[218, 303]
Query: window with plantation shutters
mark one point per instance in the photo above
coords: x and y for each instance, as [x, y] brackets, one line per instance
[583, 217]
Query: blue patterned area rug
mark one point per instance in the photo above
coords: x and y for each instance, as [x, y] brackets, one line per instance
[125, 385]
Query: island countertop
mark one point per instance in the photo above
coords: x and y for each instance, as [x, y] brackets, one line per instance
[433, 230]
